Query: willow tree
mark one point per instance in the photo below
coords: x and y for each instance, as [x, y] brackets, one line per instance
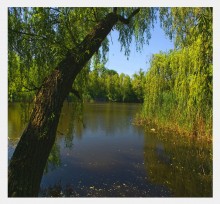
[59, 42]
[179, 83]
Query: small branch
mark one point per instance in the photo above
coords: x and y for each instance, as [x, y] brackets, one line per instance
[133, 13]
[34, 88]
[37, 37]
[76, 93]
[25, 33]
[127, 20]
[123, 20]
[29, 89]
[115, 10]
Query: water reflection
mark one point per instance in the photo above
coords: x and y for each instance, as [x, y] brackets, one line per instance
[99, 153]
[71, 122]
[18, 115]
[103, 117]
[54, 159]
[184, 165]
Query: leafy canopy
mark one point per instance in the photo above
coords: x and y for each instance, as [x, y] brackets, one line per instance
[44, 35]
[178, 92]
[39, 38]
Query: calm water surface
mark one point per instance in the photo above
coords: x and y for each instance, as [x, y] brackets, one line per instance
[101, 154]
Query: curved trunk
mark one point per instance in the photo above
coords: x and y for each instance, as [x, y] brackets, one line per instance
[29, 159]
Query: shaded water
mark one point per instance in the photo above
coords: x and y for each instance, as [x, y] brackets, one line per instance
[100, 153]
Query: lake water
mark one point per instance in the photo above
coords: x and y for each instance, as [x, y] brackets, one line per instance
[99, 153]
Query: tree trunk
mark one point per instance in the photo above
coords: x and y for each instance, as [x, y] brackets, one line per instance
[29, 159]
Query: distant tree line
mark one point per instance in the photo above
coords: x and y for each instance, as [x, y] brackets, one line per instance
[96, 84]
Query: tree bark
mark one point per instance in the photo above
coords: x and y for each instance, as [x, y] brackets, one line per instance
[29, 159]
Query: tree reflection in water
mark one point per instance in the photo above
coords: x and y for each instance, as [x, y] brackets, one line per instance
[182, 164]
[71, 124]
[115, 159]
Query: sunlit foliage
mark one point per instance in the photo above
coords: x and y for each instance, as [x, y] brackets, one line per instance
[178, 91]
[178, 86]
[39, 38]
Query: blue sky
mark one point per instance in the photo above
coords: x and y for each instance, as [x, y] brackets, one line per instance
[117, 61]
